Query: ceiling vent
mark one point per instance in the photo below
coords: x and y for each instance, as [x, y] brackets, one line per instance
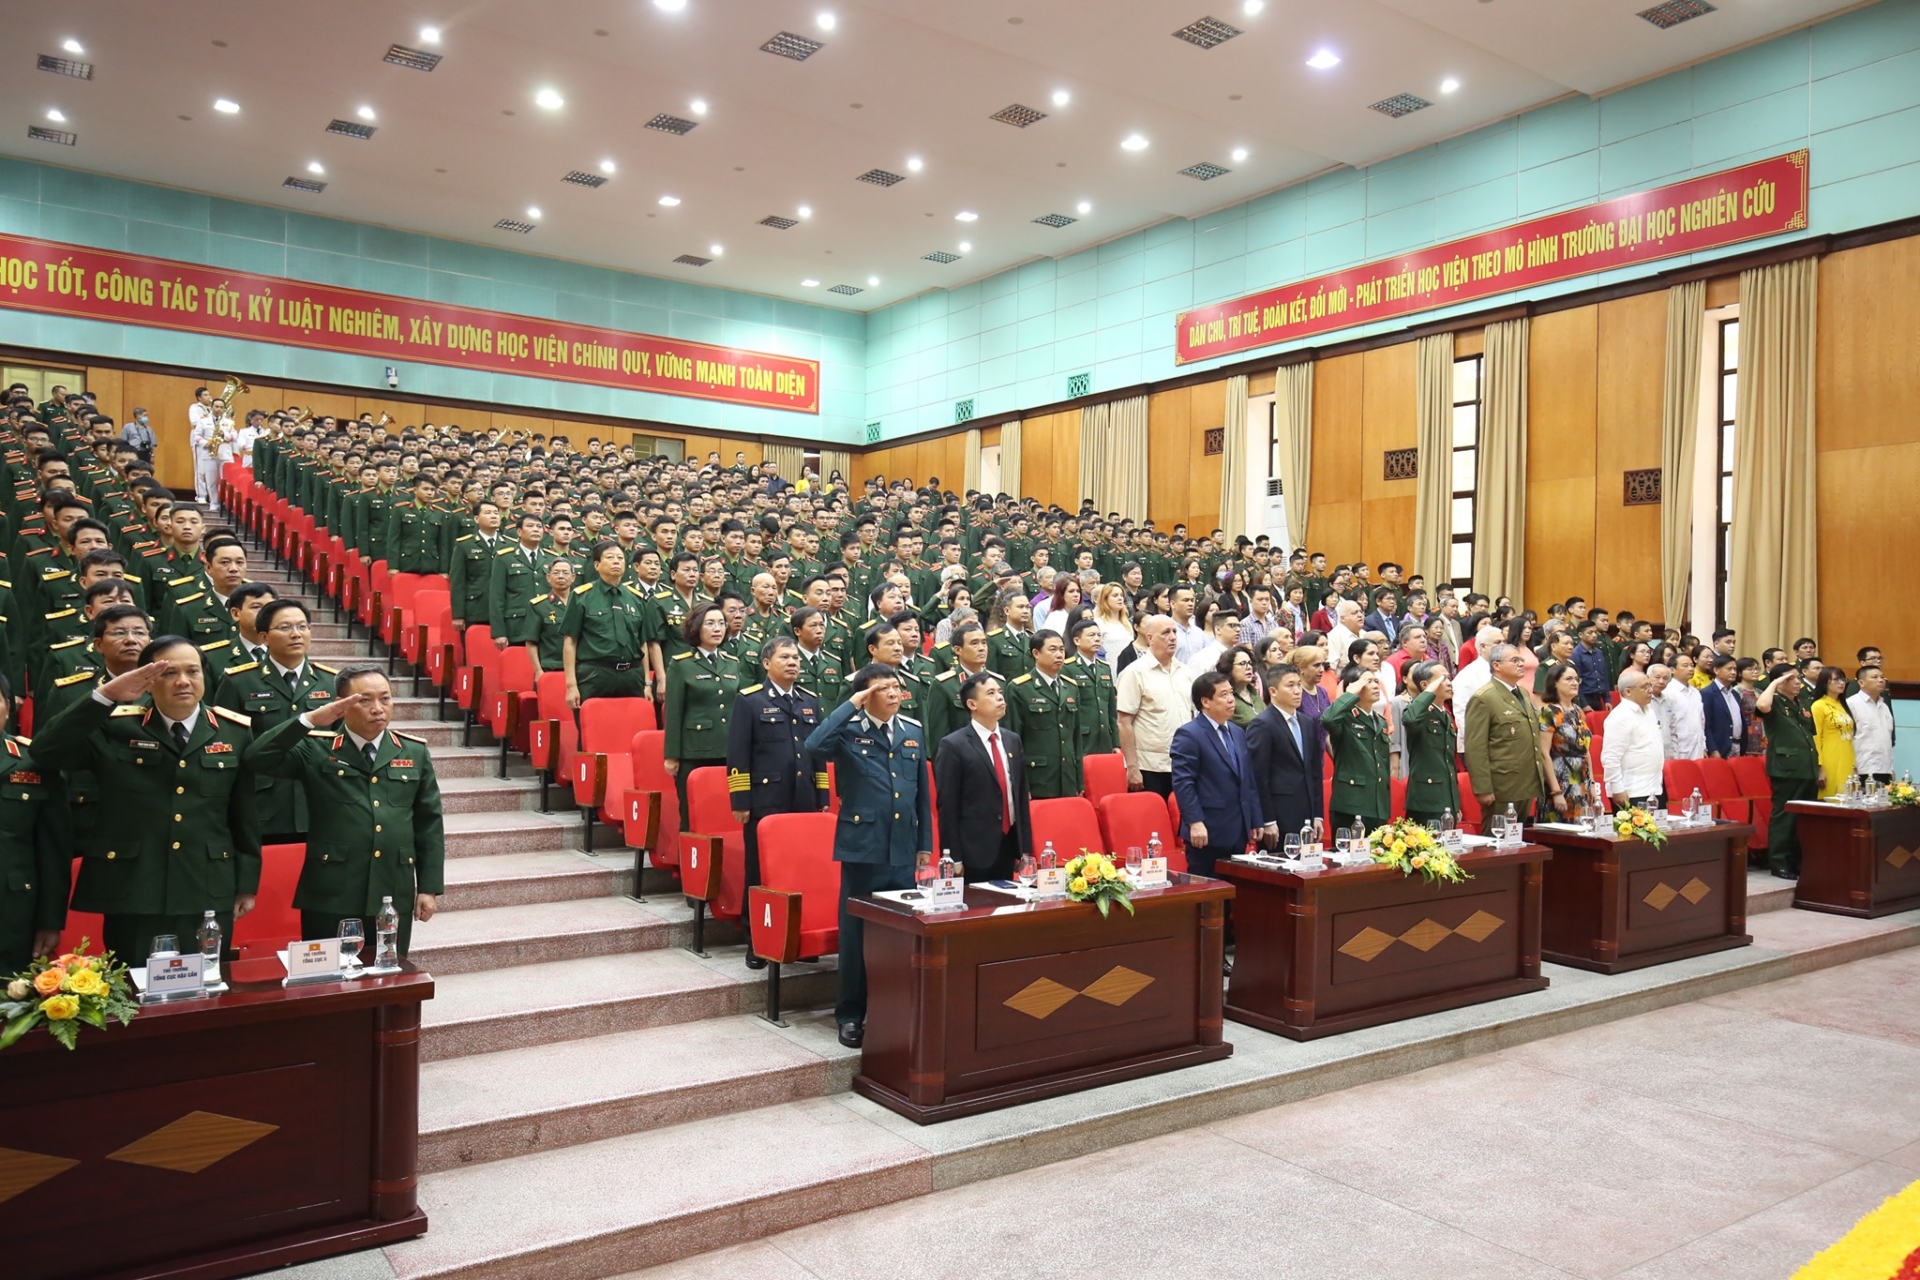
[1018, 116]
[779, 223]
[60, 136]
[881, 178]
[1204, 171]
[66, 67]
[1664, 16]
[1206, 33]
[672, 124]
[305, 184]
[846, 290]
[873, 433]
[579, 178]
[789, 45]
[1400, 104]
[692, 260]
[417, 59]
[1056, 221]
[351, 129]
[941, 256]
[513, 224]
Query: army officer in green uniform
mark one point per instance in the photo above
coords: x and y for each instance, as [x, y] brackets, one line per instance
[1096, 688]
[377, 827]
[181, 836]
[1793, 766]
[546, 646]
[1357, 736]
[271, 693]
[701, 686]
[36, 849]
[1044, 708]
[1433, 782]
[605, 630]
[519, 574]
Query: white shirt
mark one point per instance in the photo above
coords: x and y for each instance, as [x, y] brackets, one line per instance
[1686, 722]
[986, 734]
[1338, 641]
[1189, 640]
[1632, 755]
[1872, 733]
[1471, 679]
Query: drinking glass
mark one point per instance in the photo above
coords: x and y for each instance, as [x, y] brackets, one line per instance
[1135, 857]
[352, 938]
[164, 944]
[1291, 849]
[1025, 869]
[1498, 828]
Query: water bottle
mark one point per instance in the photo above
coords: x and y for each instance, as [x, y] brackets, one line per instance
[1306, 836]
[946, 864]
[1697, 807]
[1446, 824]
[1513, 825]
[210, 949]
[1153, 846]
[386, 927]
[1048, 858]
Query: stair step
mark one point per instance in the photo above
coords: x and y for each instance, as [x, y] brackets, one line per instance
[435, 733]
[515, 879]
[1765, 893]
[488, 794]
[478, 834]
[612, 1206]
[468, 762]
[503, 937]
[493, 1106]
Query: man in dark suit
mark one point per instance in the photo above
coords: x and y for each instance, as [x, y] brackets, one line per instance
[1213, 778]
[1286, 768]
[1385, 617]
[980, 776]
[1726, 718]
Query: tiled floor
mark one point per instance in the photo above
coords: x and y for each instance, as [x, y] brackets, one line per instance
[1726, 1139]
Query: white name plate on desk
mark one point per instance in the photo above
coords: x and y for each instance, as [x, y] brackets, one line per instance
[946, 895]
[316, 960]
[1153, 874]
[1050, 882]
[174, 978]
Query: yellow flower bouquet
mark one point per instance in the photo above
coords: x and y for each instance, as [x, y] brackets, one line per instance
[1407, 845]
[1902, 795]
[1635, 823]
[65, 991]
[1096, 878]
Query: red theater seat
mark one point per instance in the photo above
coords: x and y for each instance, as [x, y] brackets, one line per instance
[794, 913]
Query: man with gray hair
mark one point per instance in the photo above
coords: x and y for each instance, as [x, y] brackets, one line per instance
[769, 769]
[1473, 675]
[1153, 697]
[1503, 740]
[1348, 620]
[1632, 755]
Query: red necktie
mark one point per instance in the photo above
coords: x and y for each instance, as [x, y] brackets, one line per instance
[1000, 777]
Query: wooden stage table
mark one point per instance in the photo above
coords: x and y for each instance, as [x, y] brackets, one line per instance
[1857, 862]
[1617, 905]
[1320, 952]
[216, 1137]
[1005, 1002]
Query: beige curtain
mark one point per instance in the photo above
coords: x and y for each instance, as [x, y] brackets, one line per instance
[1233, 460]
[970, 479]
[1093, 453]
[832, 460]
[1293, 417]
[788, 459]
[1113, 456]
[1679, 429]
[1433, 501]
[1500, 498]
[1772, 589]
[1010, 458]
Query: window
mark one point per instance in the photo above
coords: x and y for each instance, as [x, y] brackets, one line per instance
[40, 380]
[1728, 387]
[1466, 452]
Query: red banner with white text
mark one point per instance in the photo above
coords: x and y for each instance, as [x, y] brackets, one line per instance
[1765, 198]
[97, 284]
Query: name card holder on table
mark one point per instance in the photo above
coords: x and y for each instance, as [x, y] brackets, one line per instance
[1153, 874]
[167, 979]
[315, 960]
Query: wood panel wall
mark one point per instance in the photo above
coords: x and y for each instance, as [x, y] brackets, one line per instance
[1183, 480]
[1050, 458]
[1363, 405]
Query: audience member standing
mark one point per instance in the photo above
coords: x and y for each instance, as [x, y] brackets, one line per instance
[1152, 698]
[1426, 723]
[980, 776]
[1833, 732]
[1722, 714]
[768, 768]
[1793, 765]
[1503, 739]
[1685, 714]
[1281, 743]
[1213, 777]
[1873, 733]
[1357, 737]
[1566, 742]
[1472, 676]
[1633, 754]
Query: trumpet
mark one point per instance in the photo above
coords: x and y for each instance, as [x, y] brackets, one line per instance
[380, 424]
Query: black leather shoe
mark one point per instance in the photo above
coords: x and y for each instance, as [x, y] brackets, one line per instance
[755, 962]
[852, 1034]
[1785, 875]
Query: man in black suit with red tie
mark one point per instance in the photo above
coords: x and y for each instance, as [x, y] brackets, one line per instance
[1286, 764]
[980, 777]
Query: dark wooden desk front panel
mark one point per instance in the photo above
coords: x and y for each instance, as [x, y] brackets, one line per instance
[1857, 862]
[1617, 905]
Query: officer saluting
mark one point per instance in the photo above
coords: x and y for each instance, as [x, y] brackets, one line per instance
[886, 820]
[768, 768]
[375, 805]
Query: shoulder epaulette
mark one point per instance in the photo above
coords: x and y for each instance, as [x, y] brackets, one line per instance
[332, 671]
[198, 595]
[57, 575]
[946, 675]
[68, 644]
[409, 737]
[245, 666]
[465, 537]
[39, 551]
[538, 600]
[505, 551]
[211, 645]
[60, 613]
[944, 644]
[584, 587]
[234, 716]
[996, 631]
[7, 585]
[1023, 679]
[23, 741]
[179, 582]
[319, 733]
[679, 656]
[752, 688]
[75, 678]
[869, 622]
[635, 592]
[130, 709]
[908, 720]
[153, 551]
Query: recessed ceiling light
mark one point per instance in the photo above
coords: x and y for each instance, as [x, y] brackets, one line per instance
[1324, 59]
[1253, 7]
[825, 21]
[365, 113]
[1449, 85]
[316, 167]
[429, 35]
[698, 106]
[1061, 97]
[873, 282]
[550, 99]
[607, 166]
[226, 106]
[805, 211]
[56, 115]
[966, 215]
[715, 250]
[533, 211]
[1239, 154]
[72, 46]
[809, 283]
[966, 247]
[915, 164]
[669, 201]
[1084, 207]
[670, 6]
[1134, 142]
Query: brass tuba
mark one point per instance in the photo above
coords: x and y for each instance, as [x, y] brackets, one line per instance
[233, 390]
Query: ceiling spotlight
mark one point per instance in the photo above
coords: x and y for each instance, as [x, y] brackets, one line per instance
[966, 247]
[670, 6]
[669, 201]
[805, 211]
[825, 21]
[698, 106]
[365, 113]
[1134, 142]
[1061, 97]
[56, 115]
[226, 106]
[966, 215]
[429, 35]
[1324, 59]
[873, 282]
[550, 99]
[533, 211]
[715, 250]
[72, 46]
[1252, 8]
[809, 283]
[316, 167]
[607, 166]
[1449, 85]
[915, 164]
[1239, 154]
[1084, 207]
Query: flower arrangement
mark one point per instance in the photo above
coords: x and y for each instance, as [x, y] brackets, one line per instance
[65, 991]
[1411, 847]
[1902, 795]
[1096, 878]
[1636, 823]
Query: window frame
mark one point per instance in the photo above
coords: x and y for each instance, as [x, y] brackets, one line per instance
[1726, 436]
[1478, 404]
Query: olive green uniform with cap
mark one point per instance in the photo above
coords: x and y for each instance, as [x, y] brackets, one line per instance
[1050, 718]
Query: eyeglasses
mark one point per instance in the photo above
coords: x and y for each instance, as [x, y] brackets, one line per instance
[124, 634]
[290, 628]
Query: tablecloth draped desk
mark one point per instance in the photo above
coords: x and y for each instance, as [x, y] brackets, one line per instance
[1617, 905]
[1857, 862]
[1006, 1002]
[1320, 952]
[216, 1137]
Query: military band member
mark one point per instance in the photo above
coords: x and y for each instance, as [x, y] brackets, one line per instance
[36, 848]
[701, 686]
[768, 767]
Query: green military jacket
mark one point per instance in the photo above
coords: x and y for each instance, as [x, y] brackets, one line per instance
[182, 834]
[419, 539]
[820, 676]
[510, 595]
[1433, 782]
[1362, 759]
[548, 638]
[377, 829]
[1007, 651]
[471, 576]
[1051, 722]
[606, 623]
[36, 852]
[700, 693]
[1790, 749]
[1096, 701]
[262, 694]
